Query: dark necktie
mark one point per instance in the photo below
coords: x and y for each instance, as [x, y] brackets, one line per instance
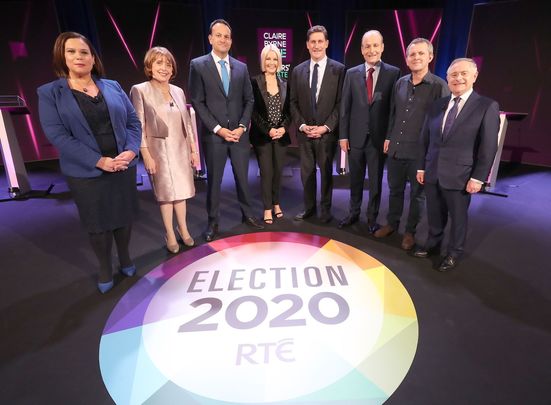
[450, 118]
[369, 85]
[314, 87]
[225, 76]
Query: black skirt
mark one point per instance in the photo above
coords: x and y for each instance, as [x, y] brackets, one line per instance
[107, 202]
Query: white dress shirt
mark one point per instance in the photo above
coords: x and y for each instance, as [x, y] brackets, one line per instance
[219, 68]
[463, 99]
[321, 70]
[377, 69]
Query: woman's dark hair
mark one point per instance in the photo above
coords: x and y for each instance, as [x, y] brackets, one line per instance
[59, 63]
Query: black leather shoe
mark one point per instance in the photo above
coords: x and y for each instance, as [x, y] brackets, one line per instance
[349, 220]
[304, 214]
[326, 217]
[253, 223]
[211, 231]
[422, 252]
[372, 227]
[447, 264]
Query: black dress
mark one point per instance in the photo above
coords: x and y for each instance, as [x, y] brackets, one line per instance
[109, 201]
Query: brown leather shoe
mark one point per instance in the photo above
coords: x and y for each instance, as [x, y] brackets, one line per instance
[408, 241]
[384, 231]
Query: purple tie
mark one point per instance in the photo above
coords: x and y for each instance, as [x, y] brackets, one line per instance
[450, 118]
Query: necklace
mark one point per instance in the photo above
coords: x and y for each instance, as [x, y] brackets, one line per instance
[84, 88]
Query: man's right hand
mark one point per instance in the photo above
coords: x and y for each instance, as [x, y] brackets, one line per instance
[344, 144]
[420, 177]
[386, 145]
[227, 135]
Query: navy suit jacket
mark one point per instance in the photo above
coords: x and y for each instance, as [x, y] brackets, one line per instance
[470, 147]
[211, 103]
[358, 118]
[67, 129]
[329, 97]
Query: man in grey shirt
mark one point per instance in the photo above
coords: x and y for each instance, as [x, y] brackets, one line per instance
[412, 95]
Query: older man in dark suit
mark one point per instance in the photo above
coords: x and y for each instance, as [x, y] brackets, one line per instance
[315, 96]
[364, 116]
[459, 143]
[222, 95]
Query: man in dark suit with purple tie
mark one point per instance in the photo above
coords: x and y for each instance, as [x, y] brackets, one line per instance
[364, 117]
[222, 95]
[459, 143]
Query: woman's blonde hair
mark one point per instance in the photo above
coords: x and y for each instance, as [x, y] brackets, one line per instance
[264, 53]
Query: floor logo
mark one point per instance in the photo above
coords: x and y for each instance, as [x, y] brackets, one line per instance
[265, 318]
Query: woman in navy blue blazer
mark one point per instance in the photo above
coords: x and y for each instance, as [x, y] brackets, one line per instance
[92, 123]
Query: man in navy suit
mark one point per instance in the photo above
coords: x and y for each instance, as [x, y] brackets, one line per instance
[316, 86]
[364, 116]
[222, 95]
[459, 143]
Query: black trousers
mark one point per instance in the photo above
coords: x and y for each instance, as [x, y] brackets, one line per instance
[442, 202]
[271, 159]
[399, 173]
[216, 155]
[373, 158]
[319, 151]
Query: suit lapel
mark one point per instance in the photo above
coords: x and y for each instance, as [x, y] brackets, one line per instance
[70, 104]
[326, 74]
[361, 82]
[469, 106]
[109, 100]
[440, 117]
[233, 73]
[263, 90]
[282, 90]
[210, 64]
[179, 101]
[380, 84]
[380, 78]
[306, 91]
[465, 112]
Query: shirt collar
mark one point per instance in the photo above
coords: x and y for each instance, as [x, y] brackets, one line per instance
[321, 63]
[218, 58]
[465, 96]
[376, 66]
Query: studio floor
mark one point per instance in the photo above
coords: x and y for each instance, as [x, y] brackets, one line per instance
[484, 328]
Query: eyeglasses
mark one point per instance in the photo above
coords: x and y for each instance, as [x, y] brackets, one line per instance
[455, 75]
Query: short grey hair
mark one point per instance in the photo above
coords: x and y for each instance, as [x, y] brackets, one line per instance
[421, 41]
[456, 61]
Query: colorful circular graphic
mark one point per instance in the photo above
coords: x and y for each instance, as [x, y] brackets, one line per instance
[265, 318]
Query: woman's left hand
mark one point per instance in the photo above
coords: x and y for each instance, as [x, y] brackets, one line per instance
[123, 160]
[194, 160]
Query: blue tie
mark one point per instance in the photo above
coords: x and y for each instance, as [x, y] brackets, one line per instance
[450, 118]
[225, 76]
